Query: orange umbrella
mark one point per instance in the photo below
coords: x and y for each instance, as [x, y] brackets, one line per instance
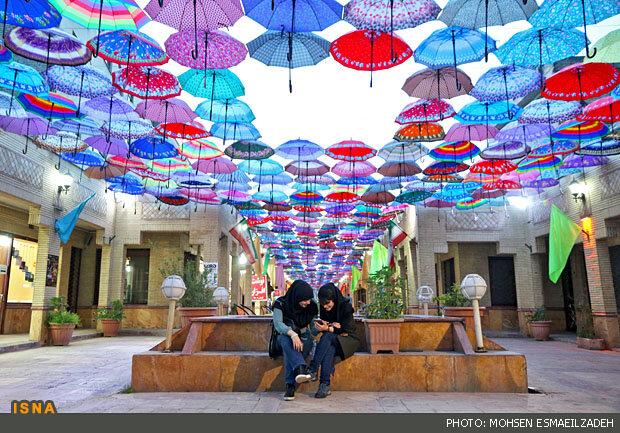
[420, 132]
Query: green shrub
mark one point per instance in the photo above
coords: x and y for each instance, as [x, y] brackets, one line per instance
[453, 298]
[539, 315]
[385, 290]
[198, 293]
[59, 314]
[114, 312]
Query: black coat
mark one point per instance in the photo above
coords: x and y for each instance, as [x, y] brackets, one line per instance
[347, 337]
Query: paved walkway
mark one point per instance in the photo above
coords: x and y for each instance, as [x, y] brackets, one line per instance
[89, 375]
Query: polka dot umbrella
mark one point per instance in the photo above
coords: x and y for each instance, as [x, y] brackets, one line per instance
[350, 150]
[128, 48]
[420, 132]
[424, 110]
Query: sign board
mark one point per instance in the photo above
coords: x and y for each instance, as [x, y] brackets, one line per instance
[212, 268]
[3, 269]
[51, 275]
[259, 287]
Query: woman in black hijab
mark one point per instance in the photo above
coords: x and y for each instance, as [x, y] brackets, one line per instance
[338, 339]
[292, 315]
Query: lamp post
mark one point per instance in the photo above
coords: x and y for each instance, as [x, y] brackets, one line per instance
[473, 287]
[425, 295]
[220, 295]
[173, 288]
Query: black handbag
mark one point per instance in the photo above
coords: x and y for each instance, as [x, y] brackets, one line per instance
[275, 350]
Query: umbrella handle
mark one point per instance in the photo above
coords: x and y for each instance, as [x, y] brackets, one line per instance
[590, 54]
[524, 2]
[25, 150]
[195, 50]
[57, 166]
[161, 3]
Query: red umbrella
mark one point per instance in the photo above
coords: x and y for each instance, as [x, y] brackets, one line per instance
[186, 131]
[501, 184]
[493, 167]
[146, 82]
[606, 109]
[443, 168]
[581, 81]
[342, 197]
[369, 50]
[350, 150]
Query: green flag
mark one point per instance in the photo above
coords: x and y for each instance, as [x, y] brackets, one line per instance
[379, 257]
[266, 261]
[562, 236]
[355, 278]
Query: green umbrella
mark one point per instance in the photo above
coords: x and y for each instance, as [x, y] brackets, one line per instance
[607, 49]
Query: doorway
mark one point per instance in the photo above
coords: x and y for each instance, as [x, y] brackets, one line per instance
[447, 273]
[502, 281]
[569, 297]
[74, 279]
[6, 246]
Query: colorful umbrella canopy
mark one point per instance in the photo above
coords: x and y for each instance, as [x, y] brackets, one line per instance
[153, 148]
[444, 168]
[453, 46]
[557, 148]
[525, 133]
[61, 142]
[455, 151]
[289, 50]
[471, 132]
[235, 131]
[506, 150]
[217, 51]
[402, 151]
[370, 50]
[21, 78]
[540, 164]
[350, 150]
[248, 149]
[50, 46]
[493, 167]
[412, 197]
[186, 131]
[377, 195]
[389, 15]
[35, 14]
[506, 82]
[353, 169]
[82, 81]
[81, 126]
[212, 84]
[488, 112]
[53, 106]
[299, 150]
[108, 108]
[424, 110]
[127, 129]
[571, 13]
[606, 49]
[437, 83]
[146, 82]
[473, 203]
[606, 109]
[128, 48]
[200, 149]
[167, 110]
[294, 15]
[420, 132]
[600, 147]
[549, 111]
[10, 107]
[583, 161]
[260, 167]
[581, 81]
[540, 46]
[581, 131]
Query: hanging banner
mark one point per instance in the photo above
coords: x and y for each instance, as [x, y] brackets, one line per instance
[242, 234]
[259, 288]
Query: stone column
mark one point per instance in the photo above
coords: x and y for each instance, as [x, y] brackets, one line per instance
[235, 289]
[48, 244]
[601, 287]
[247, 286]
[223, 274]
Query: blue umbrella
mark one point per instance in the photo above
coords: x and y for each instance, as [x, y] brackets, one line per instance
[225, 110]
[471, 13]
[153, 147]
[537, 47]
[33, 14]
[289, 50]
[453, 46]
[23, 79]
[260, 167]
[572, 13]
[300, 150]
[294, 15]
[235, 131]
[87, 158]
[357, 181]
[127, 188]
[271, 196]
[273, 179]
[81, 126]
[549, 111]
[616, 92]
[488, 113]
[506, 82]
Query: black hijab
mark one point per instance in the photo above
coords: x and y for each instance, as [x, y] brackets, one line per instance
[289, 304]
[342, 307]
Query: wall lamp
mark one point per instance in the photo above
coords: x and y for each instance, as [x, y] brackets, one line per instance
[578, 190]
[64, 183]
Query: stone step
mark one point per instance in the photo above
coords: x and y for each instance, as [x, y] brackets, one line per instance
[432, 371]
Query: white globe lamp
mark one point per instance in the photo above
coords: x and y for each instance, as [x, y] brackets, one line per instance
[173, 288]
[425, 295]
[473, 287]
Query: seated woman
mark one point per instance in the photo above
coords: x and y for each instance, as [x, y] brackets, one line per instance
[292, 315]
[338, 338]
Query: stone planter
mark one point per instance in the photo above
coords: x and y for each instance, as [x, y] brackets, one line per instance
[591, 343]
[383, 334]
[186, 313]
[110, 327]
[466, 313]
[61, 333]
[540, 330]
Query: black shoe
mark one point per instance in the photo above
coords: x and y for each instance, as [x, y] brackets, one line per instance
[301, 374]
[289, 394]
[314, 376]
[323, 391]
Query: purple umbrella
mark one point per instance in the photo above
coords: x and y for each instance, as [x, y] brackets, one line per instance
[525, 133]
[166, 110]
[49, 46]
[583, 161]
[538, 184]
[474, 132]
[81, 81]
[354, 169]
[307, 168]
[219, 50]
[114, 146]
[26, 126]
[195, 15]
[219, 165]
[109, 108]
[127, 129]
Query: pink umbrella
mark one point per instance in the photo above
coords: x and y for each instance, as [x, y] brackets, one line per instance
[195, 15]
[146, 82]
[219, 50]
[354, 169]
[168, 110]
[26, 126]
[233, 194]
[219, 165]
[202, 195]
[460, 132]
[425, 110]
[438, 203]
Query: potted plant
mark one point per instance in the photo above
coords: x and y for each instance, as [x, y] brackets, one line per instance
[110, 318]
[540, 327]
[384, 311]
[455, 304]
[586, 338]
[198, 298]
[61, 322]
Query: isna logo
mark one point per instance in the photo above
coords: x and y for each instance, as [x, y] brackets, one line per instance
[33, 407]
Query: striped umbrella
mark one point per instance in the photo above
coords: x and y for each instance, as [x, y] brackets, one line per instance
[53, 106]
[581, 131]
[455, 151]
[49, 46]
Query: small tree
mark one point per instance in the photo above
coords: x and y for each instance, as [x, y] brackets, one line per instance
[59, 314]
[386, 290]
[453, 298]
[199, 292]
